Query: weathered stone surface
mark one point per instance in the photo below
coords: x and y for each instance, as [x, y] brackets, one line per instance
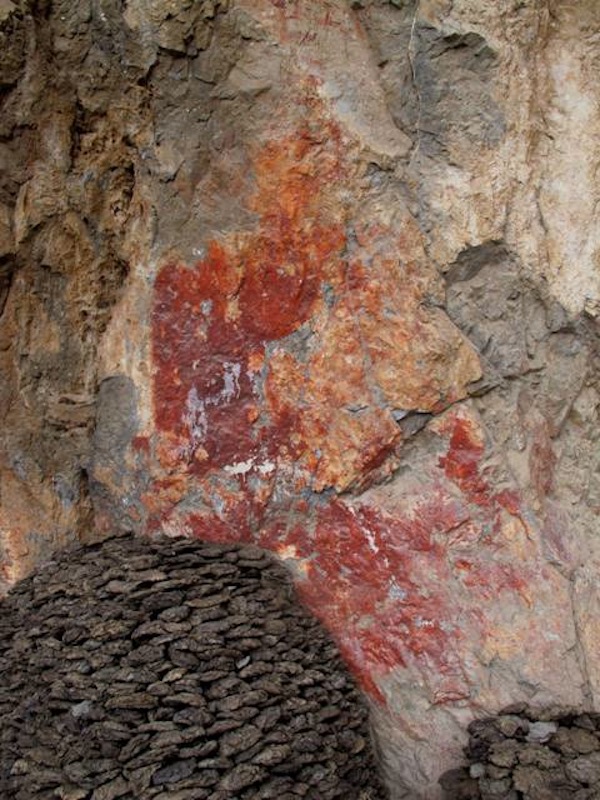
[322, 277]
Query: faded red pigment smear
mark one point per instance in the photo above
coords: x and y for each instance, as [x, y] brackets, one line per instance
[385, 583]
[141, 444]
[382, 586]
[462, 465]
[211, 320]
[510, 500]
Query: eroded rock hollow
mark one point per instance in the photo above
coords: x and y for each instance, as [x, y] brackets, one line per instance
[320, 276]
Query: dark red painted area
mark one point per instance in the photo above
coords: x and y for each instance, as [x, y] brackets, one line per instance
[211, 322]
[461, 463]
[210, 528]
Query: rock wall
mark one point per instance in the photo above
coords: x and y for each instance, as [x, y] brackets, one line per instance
[320, 275]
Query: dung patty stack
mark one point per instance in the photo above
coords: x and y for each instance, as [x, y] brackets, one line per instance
[530, 754]
[174, 670]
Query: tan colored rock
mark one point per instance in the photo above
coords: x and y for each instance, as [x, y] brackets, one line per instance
[7, 7]
[586, 601]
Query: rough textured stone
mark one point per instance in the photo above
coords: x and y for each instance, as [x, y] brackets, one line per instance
[319, 276]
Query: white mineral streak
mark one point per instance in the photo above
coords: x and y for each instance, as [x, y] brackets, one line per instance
[240, 468]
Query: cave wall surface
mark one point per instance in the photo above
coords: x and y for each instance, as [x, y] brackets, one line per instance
[320, 275]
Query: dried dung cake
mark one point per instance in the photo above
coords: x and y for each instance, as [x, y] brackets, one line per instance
[529, 754]
[175, 670]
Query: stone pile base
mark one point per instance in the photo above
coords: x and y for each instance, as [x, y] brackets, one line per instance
[530, 754]
[174, 670]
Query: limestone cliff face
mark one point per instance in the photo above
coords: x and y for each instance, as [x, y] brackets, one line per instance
[322, 275]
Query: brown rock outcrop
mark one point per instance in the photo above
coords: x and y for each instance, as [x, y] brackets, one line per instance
[320, 276]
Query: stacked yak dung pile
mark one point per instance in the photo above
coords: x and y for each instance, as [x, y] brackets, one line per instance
[174, 670]
[549, 754]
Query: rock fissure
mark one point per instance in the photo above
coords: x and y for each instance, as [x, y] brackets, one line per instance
[588, 693]
[411, 53]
